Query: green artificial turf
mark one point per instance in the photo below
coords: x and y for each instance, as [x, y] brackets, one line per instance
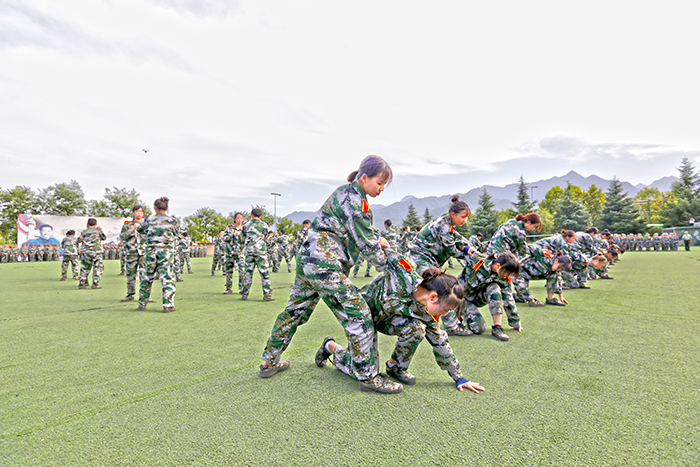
[611, 379]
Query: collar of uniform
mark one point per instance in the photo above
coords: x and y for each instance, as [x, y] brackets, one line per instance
[359, 190]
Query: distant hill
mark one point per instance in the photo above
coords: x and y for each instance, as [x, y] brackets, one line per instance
[503, 197]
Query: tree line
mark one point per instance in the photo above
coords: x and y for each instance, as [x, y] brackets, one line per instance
[68, 199]
[577, 209]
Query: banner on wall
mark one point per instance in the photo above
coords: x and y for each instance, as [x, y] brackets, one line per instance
[35, 229]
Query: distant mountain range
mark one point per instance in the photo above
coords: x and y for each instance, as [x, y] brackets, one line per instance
[503, 197]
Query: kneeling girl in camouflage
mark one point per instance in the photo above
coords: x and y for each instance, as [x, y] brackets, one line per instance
[546, 268]
[341, 230]
[406, 305]
[486, 282]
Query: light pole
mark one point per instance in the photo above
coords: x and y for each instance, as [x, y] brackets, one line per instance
[532, 195]
[274, 197]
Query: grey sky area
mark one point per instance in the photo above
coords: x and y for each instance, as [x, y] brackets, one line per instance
[235, 100]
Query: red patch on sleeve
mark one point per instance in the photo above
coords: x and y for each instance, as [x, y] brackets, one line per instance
[452, 229]
[478, 264]
[365, 206]
[405, 264]
[548, 255]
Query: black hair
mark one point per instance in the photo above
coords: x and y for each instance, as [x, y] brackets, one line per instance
[283, 232]
[479, 235]
[568, 233]
[237, 213]
[372, 166]
[531, 217]
[591, 230]
[306, 221]
[388, 222]
[136, 208]
[450, 292]
[257, 212]
[459, 206]
[508, 261]
[161, 203]
[561, 258]
[92, 221]
[70, 232]
[46, 225]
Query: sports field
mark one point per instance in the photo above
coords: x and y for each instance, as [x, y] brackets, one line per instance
[612, 379]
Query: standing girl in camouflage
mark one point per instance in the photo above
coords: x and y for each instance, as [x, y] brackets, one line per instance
[90, 243]
[255, 249]
[70, 255]
[132, 244]
[160, 233]
[438, 241]
[232, 247]
[341, 230]
[406, 305]
[283, 248]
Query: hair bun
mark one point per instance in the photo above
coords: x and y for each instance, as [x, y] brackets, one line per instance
[455, 198]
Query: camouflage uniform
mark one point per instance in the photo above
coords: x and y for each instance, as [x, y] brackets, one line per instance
[478, 244]
[341, 230]
[132, 245]
[159, 233]
[391, 235]
[435, 243]
[532, 269]
[16, 254]
[406, 237]
[217, 258]
[482, 287]
[90, 243]
[299, 241]
[70, 256]
[511, 236]
[271, 248]
[255, 249]
[283, 252]
[396, 313]
[24, 252]
[358, 264]
[184, 245]
[232, 246]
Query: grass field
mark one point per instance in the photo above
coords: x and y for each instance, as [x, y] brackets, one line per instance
[612, 379]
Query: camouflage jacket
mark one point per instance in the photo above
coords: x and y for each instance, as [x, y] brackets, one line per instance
[437, 242]
[532, 268]
[585, 244]
[91, 239]
[70, 246]
[184, 244]
[476, 243]
[511, 236]
[282, 243]
[132, 243]
[159, 231]
[391, 294]
[341, 230]
[232, 241]
[555, 243]
[255, 232]
[392, 236]
[477, 274]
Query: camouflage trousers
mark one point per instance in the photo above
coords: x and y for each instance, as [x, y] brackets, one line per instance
[91, 260]
[185, 259]
[349, 308]
[411, 333]
[499, 299]
[255, 259]
[521, 286]
[133, 264]
[158, 263]
[231, 264]
[73, 261]
[272, 258]
[122, 262]
[216, 262]
[278, 260]
[574, 278]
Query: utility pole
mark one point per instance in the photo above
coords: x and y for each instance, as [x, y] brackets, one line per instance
[274, 197]
[532, 195]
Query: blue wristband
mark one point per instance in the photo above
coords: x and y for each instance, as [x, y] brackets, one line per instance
[461, 382]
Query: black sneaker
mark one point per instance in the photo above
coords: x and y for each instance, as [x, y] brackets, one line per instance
[270, 370]
[380, 384]
[606, 277]
[399, 373]
[323, 355]
[583, 286]
[554, 301]
[459, 331]
[497, 332]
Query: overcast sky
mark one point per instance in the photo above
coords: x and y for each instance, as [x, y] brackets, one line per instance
[237, 99]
